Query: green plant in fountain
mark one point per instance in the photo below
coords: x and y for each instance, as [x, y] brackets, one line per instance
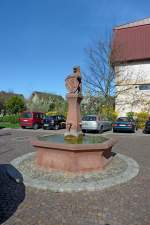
[73, 139]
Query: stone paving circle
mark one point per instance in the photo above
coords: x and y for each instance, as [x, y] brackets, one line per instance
[120, 170]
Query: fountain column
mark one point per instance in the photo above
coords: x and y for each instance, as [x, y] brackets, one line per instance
[74, 98]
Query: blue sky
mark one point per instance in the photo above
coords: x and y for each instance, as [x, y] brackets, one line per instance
[41, 40]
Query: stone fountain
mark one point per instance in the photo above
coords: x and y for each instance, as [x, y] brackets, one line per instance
[73, 152]
[74, 98]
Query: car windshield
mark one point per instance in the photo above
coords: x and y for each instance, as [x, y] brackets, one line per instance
[89, 118]
[124, 119]
[26, 115]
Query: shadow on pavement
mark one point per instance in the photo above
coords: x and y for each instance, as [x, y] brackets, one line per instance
[12, 191]
[5, 134]
[107, 224]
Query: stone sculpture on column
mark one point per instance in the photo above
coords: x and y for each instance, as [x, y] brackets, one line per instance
[74, 97]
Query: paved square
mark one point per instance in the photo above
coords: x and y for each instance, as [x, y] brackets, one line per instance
[125, 204]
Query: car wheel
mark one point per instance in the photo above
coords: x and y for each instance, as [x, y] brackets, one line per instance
[144, 131]
[35, 126]
[23, 127]
[114, 131]
[56, 127]
[133, 130]
[101, 130]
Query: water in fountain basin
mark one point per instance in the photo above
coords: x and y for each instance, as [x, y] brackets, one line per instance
[87, 139]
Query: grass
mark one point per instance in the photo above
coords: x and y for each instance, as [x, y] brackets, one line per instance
[9, 125]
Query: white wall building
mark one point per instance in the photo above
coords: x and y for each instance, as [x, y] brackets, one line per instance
[131, 59]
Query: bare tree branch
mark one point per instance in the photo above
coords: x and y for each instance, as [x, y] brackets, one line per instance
[105, 79]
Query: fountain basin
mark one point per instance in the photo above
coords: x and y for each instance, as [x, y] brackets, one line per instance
[64, 156]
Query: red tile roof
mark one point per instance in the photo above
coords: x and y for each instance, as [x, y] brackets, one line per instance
[136, 23]
[131, 42]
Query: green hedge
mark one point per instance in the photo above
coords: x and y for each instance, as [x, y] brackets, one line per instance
[10, 118]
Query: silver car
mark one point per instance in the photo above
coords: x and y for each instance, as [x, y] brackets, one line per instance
[94, 123]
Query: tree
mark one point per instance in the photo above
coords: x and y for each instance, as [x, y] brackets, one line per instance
[4, 97]
[90, 104]
[15, 105]
[100, 76]
[105, 80]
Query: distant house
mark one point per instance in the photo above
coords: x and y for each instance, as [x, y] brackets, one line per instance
[42, 101]
[39, 97]
[131, 60]
[44, 97]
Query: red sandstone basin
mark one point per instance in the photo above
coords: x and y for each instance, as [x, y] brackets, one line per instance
[73, 157]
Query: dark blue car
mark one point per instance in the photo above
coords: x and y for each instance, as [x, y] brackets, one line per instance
[147, 127]
[54, 122]
[124, 124]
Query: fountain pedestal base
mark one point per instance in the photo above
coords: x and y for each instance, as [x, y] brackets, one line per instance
[73, 157]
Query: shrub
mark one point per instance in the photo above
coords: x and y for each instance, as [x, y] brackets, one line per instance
[15, 105]
[10, 118]
[52, 113]
[130, 114]
[113, 116]
[142, 117]
[109, 113]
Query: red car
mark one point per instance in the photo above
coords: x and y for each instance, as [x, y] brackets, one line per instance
[31, 119]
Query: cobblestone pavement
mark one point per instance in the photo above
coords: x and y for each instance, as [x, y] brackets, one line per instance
[125, 204]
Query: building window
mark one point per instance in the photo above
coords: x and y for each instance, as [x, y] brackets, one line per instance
[144, 87]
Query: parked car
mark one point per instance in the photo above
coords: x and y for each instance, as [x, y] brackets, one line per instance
[54, 122]
[124, 124]
[31, 119]
[95, 123]
[147, 127]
